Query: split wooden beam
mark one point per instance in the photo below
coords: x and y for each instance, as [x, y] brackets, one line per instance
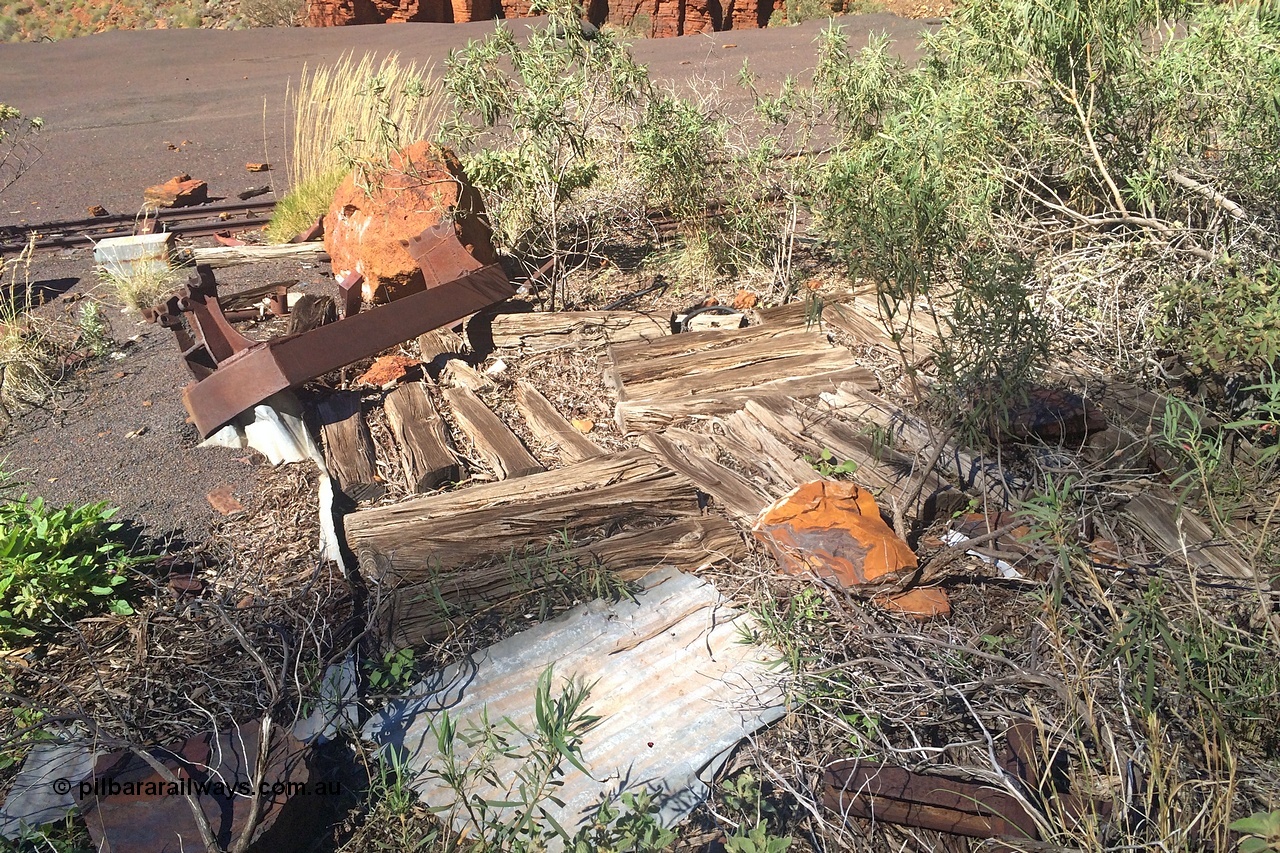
[493, 440]
[228, 256]
[713, 373]
[974, 472]
[413, 614]
[436, 535]
[761, 451]
[892, 476]
[348, 448]
[438, 345]
[733, 493]
[550, 426]
[542, 332]
[426, 450]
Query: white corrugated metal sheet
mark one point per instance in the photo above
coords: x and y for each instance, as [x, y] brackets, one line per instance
[675, 686]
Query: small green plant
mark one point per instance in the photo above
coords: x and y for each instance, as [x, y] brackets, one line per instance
[59, 565]
[93, 329]
[395, 673]
[512, 814]
[1218, 328]
[26, 351]
[790, 626]
[757, 839]
[1261, 831]
[631, 828]
[826, 464]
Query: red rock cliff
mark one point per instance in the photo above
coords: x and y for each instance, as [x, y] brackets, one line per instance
[663, 17]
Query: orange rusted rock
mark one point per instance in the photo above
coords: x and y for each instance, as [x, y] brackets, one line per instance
[834, 530]
[745, 299]
[367, 226]
[387, 369]
[918, 603]
[178, 191]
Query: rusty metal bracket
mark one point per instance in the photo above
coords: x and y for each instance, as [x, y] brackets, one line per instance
[234, 373]
[896, 795]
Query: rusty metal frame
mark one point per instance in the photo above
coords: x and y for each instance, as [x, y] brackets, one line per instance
[234, 373]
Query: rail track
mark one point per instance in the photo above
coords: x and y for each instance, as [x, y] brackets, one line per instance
[197, 221]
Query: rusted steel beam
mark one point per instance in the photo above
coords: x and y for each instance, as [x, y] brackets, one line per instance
[897, 795]
[234, 373]
[251, 375]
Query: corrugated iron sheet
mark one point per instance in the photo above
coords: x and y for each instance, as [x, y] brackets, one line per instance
[675, 686]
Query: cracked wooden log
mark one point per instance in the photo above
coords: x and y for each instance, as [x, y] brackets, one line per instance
[426, 451]
[424, 612]
[436, 535]
[348, 447]
[550, 426]
[542, 332]
[494, 441]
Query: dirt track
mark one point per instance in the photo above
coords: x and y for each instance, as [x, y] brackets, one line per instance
[114, 104]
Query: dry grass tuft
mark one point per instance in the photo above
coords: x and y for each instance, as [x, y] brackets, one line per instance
[347, 115]
[146, 284]
[26, 353]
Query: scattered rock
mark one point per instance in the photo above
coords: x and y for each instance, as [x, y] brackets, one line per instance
[387, 370]
[223, 500]
[918, 603]
[745, 299]
[1055, 415]
[178, 191]
[421, 186]
[833, 529]
[97, 210]
[257, 167]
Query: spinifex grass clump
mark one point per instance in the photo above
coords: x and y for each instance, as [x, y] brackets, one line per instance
[350, 115]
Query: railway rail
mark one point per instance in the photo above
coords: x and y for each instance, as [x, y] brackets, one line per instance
[199, 221]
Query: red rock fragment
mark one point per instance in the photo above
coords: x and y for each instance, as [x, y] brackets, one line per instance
[257, 167]
[97, 210]
[918, 603]
[367, 232]
[745, 299]
[387, 369]
[1055, 415]
[178, 191]
[223, 500]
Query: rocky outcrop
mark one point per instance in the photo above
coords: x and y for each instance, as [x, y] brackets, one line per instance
[662, 17]
[369, 221]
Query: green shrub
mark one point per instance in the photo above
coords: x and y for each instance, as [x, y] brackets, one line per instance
[542, 124]
[1227, 327]
[59, 565]
[17, 143]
